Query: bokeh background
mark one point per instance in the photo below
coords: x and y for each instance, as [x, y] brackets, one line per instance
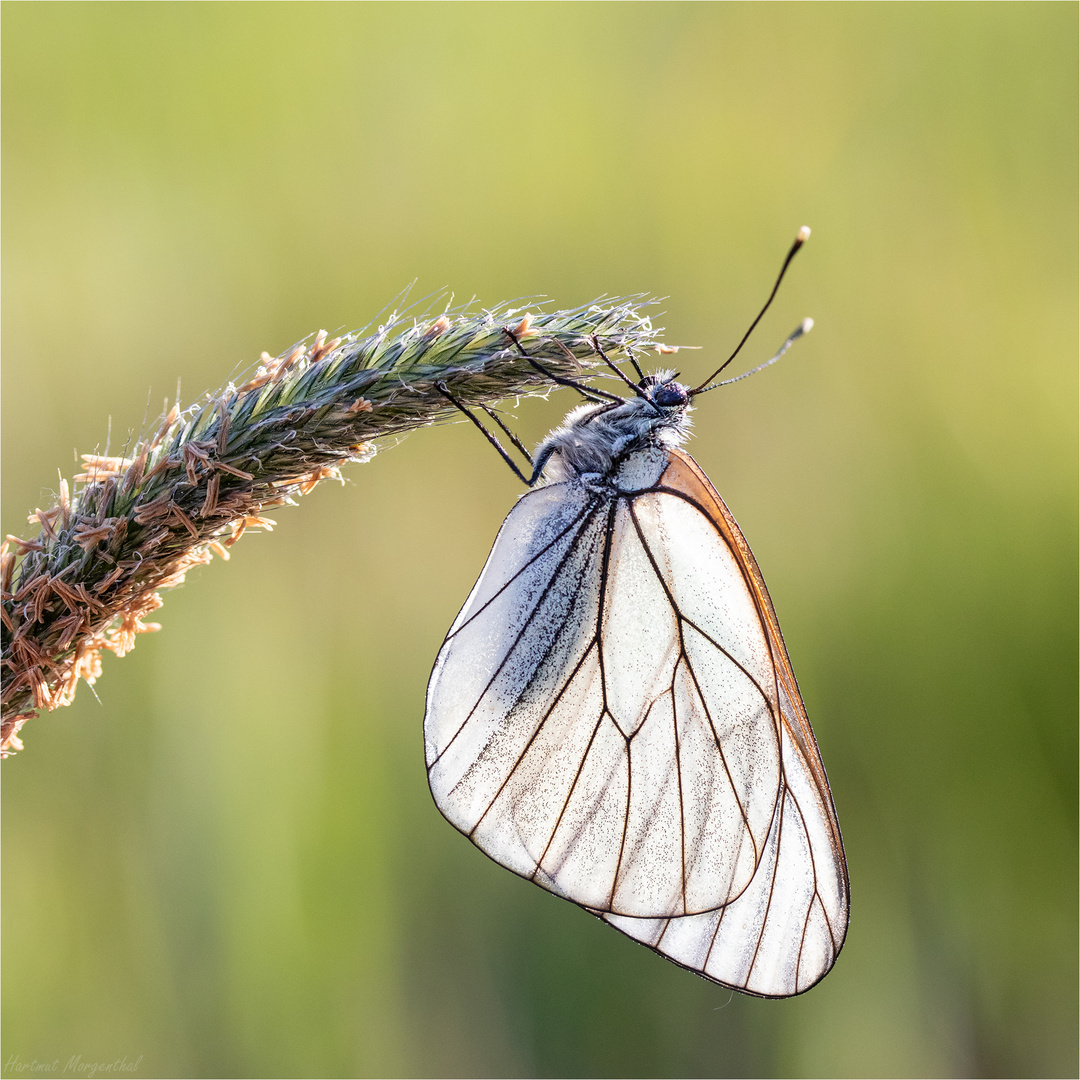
[228, 864]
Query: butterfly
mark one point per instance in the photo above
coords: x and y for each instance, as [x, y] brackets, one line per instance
[613, 714]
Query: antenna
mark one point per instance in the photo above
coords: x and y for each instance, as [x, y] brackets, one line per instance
[800, 239]
[803, 328]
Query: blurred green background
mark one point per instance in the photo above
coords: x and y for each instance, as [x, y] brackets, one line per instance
[230, 865]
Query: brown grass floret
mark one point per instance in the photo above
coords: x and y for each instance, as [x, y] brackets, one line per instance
[134, 525]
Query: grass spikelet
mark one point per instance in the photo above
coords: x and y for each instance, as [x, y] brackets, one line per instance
[131, 527]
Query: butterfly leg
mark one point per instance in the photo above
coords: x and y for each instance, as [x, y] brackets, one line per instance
[614, 401]
[599, 350]
[442, 388]
[629, 382]
[588, 392]
[509, 434]
[636, 366]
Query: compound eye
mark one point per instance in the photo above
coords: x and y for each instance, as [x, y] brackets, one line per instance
[670, 395]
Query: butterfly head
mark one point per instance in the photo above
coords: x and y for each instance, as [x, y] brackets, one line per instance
[661, 406]
[662, 391]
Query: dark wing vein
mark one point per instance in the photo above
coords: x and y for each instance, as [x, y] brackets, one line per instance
[625, 823]
[678, 778]
[532, 738]
[583, 522]
[752, 587]
[586, 514]
[566, 803]
[697, 686]
[690, 622]
[782, 671]
[596, 642]
[772, 882]
[817, 893]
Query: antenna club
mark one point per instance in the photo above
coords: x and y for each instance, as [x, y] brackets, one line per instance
[807, 325]
[804, 232]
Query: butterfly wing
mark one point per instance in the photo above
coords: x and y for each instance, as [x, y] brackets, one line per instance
[781, 935]
[613, 716]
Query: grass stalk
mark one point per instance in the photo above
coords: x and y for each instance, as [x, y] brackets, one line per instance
[129, 527]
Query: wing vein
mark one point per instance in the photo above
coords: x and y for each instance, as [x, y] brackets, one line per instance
[772, 882]
[625, 824]
[569, 794]
[737, 553]
[598, 642]
[532, 738]
[584, 521]
[680, 618]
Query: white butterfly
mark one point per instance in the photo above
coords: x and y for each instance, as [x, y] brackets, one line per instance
[613, 714]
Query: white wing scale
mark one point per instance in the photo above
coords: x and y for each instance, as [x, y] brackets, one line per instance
[613, 716]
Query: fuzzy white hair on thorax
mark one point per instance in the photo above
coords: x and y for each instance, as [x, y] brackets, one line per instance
[594, 439]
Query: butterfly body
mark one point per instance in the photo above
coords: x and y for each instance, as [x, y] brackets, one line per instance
[595, 440]
[613, 714]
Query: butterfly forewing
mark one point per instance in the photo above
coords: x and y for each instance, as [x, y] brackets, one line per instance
[614, 716]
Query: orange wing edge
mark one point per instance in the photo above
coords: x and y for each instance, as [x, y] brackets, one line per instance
[684, 476]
